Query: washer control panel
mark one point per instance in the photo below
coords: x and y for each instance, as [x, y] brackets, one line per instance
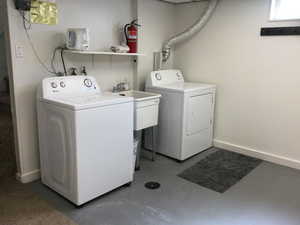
[70, 85]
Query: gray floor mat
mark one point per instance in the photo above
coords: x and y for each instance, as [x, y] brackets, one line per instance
[220, 170]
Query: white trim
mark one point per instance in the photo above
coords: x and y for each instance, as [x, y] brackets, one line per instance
[28, 177]
[284, 161]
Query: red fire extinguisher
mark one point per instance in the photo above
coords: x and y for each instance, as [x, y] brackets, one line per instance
[131, 33]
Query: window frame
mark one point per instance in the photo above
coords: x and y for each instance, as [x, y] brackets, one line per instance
[272, 14]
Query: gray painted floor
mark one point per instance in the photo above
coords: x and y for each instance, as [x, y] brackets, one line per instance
[269, 195]
[7, 152]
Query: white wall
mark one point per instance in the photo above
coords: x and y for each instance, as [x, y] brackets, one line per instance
[158, 24]
[104, 19]
[258, 78]
[3, 68]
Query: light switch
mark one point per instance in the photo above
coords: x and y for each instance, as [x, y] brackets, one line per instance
[19, 52]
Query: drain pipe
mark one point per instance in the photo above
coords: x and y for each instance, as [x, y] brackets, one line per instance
[191, 31]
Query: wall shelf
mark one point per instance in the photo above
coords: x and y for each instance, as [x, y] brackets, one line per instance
[88, 52]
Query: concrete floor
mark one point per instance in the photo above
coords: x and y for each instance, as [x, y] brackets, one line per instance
[269, 195]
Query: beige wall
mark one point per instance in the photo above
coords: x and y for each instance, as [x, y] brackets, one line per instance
[157, 20]
[104, 19]
[258, 78]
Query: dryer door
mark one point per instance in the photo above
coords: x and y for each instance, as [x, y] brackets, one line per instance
[200, 109]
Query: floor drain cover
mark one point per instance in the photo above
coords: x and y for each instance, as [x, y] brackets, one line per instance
[152, 185]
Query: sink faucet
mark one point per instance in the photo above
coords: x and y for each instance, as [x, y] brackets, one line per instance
[122, 86]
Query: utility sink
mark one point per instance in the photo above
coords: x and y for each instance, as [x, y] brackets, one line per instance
[146, 107]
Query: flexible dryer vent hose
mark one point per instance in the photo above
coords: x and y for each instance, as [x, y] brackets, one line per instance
[188, 33]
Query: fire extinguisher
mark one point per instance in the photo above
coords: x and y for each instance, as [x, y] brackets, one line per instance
[131, 34]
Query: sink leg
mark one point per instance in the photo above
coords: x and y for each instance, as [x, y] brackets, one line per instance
[138, 135]
[154, 142]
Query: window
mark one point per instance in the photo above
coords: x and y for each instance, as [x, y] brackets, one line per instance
[285, 10]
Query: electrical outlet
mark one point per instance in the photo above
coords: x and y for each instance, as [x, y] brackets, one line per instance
[19, 52]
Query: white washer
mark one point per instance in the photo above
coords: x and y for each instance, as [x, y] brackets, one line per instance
[186, 114]
[85, 138]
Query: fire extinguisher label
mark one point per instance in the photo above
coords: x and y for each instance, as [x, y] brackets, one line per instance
[132, 35]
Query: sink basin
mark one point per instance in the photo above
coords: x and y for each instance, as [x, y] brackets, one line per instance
[146, 107]
[140, 95]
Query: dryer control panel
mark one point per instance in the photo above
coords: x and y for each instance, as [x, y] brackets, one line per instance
[163, 77]
[70, 85]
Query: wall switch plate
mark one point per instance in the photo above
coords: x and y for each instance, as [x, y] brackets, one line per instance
[19, 52]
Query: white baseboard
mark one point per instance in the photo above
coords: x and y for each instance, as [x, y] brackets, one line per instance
[284, 161]
[28, 177]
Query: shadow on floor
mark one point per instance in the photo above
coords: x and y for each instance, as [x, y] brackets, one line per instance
[20, 206]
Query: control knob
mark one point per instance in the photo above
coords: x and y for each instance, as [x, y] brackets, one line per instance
[158, 76]
[53, 85]
[62, 84]
[88, 83]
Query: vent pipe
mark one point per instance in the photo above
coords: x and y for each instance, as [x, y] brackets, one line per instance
[188, 33]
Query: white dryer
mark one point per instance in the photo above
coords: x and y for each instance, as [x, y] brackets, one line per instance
[85, 138]
[186, 114]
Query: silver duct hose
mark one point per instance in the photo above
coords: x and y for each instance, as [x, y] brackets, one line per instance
[191, 31]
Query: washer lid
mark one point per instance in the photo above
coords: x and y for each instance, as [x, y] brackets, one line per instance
[184, 87]
[87, 102]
